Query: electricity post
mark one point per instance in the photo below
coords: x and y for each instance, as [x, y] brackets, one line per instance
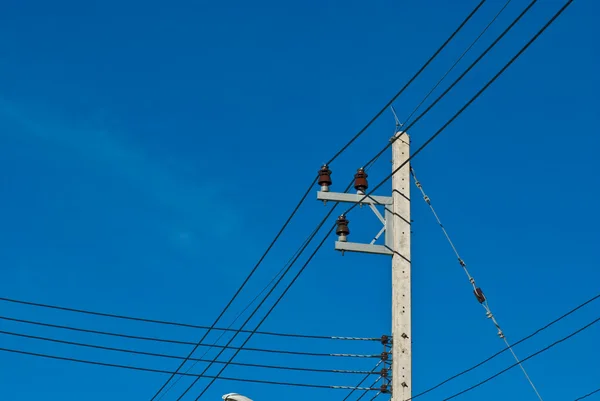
[397, 232]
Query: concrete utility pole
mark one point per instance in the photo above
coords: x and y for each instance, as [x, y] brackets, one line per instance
[401, 282]
[397, 228]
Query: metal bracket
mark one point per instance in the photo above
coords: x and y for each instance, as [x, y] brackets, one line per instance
[386, 219]
[354, 198]
[362, 248]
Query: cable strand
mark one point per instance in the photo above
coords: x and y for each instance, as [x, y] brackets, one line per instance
[410, 81]
[484, 303]
[178, 324]
[587, 326]
[553, 322]
[465, 106]
[588, 395]
[143, 369]
[465, 72]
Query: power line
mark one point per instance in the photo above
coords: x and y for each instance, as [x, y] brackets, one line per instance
[451, 120]
[374, 384]
[476, 290]
[433, 137]
[506, 349]
[268, 312]
[239, 290]
[143, 369]
[306, 243]
[179, 342]
[169, 356]
[371, 162]
[456, 62]
[281, 276]
[364, 379]
[525, 359]
[587, 395]
[465, 106]
[188, 325]
[410, 81]
[457, 80]
[337, 154]
[376, 395]
[273, 280]
[330, 161]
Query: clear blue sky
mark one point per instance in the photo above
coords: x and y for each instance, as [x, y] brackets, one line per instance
[150, 151]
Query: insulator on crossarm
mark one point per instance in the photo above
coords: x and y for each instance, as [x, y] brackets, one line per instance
[325, 178]
[342, 228]
[479, 295]
[360, 181]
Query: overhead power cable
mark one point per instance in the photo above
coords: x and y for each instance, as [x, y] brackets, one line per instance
[306, 243]
[281, 276]
[375, 396]
[364, 379]
[373, 386]
[266, 315]
[143, 369]
[463, 108]
[410, 81]
[481, 298]
[290, 262]
[169, 356]
[179, 324]
[587, 326]
[456, 62]
[594, 298]
[485, 87]
[588, 395]
[399, 125]
[272, 351]
[457, 80]
[303, 198]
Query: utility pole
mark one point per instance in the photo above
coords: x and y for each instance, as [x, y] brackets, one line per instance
[401, 282]
[397, 229]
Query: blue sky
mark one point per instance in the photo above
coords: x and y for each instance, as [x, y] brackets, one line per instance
[150, 151]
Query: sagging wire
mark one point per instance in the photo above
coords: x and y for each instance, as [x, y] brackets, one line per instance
[144, 369]
[179, 324]
[240, 314]
[467, 50]
[476, 290]
[171, 356]
[533, 334]
[588, 395]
